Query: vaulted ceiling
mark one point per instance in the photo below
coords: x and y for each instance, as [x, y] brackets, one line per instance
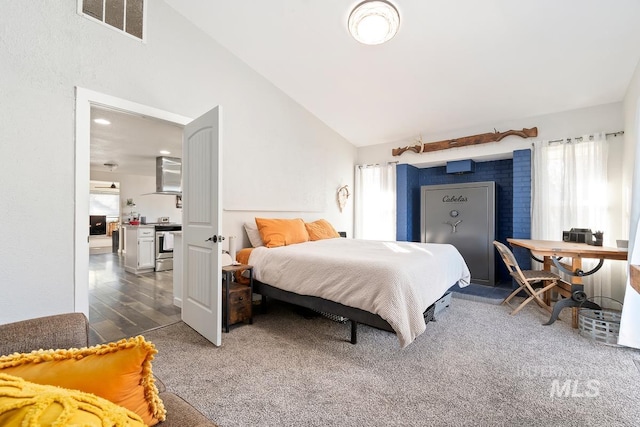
[453, 64]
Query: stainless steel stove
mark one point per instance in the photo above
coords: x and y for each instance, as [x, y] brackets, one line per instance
[164, 245]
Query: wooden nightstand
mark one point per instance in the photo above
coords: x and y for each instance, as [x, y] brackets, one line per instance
[237, 299]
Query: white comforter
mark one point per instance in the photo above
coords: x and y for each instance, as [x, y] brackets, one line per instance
[396, 280]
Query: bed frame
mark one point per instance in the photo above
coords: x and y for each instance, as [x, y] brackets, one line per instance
[355, 315]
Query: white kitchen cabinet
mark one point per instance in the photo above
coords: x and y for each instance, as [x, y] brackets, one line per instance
[146, 252]
[141, 253]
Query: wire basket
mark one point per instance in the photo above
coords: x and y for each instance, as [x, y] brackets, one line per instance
[601, 325]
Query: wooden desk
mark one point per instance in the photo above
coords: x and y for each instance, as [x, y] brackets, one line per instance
[634, 274]
[552, 251]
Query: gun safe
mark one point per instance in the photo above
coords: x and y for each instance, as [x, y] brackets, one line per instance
[462, 215]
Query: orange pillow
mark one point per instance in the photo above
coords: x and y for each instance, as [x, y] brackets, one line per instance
[320, 229]
[282, 232]
[242, 256]
[119, 372]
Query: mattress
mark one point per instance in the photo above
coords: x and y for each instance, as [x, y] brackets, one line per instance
[396, 280]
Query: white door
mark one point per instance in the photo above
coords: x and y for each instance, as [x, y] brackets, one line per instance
[201, 226]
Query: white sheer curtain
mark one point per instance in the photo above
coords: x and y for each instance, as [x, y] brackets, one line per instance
[375, 202]
[570, 189]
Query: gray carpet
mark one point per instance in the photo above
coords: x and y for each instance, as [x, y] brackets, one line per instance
[474, 366]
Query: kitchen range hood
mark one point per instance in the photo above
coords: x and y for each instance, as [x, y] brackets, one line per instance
[168, 175]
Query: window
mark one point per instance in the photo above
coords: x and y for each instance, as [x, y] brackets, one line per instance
[571, 189]
[375, 202]
[124, 15]
[105, 204]
[104, 200]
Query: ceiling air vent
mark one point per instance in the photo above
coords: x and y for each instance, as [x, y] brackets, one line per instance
[126, 16]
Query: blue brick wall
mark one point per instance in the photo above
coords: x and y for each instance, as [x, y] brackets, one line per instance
[499, 171]
[408, 201]
[513, 199]
[402, 202]
[522, 203]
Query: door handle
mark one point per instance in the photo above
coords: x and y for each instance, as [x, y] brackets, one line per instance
[454, 225]
[215, 239]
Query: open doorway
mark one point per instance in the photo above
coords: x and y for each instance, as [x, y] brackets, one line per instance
[90, 158]
[104, 216]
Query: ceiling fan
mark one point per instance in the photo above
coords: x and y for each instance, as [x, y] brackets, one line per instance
[111, 166]
[112, 186]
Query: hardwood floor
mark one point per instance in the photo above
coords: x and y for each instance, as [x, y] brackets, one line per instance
[123, 304]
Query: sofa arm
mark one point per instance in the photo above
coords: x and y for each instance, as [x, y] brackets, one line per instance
[70, 330]
[180, 413]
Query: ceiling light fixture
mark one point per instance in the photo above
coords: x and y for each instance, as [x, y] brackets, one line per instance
[165, 152]
[374, 22]
[111, 165]
[102, 121]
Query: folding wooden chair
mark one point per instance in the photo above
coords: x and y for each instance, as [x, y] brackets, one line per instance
[526, 280]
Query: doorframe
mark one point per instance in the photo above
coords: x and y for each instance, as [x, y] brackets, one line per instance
[85, 99]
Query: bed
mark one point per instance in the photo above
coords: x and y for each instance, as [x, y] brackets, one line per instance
[388, 285]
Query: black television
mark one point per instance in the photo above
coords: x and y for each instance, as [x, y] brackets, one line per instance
[97, 225]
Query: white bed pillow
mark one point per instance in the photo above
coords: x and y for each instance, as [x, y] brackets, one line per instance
[253, 234]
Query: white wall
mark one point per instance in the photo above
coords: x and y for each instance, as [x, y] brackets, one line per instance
[47, 49]
[603, 118]
[336, 160]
